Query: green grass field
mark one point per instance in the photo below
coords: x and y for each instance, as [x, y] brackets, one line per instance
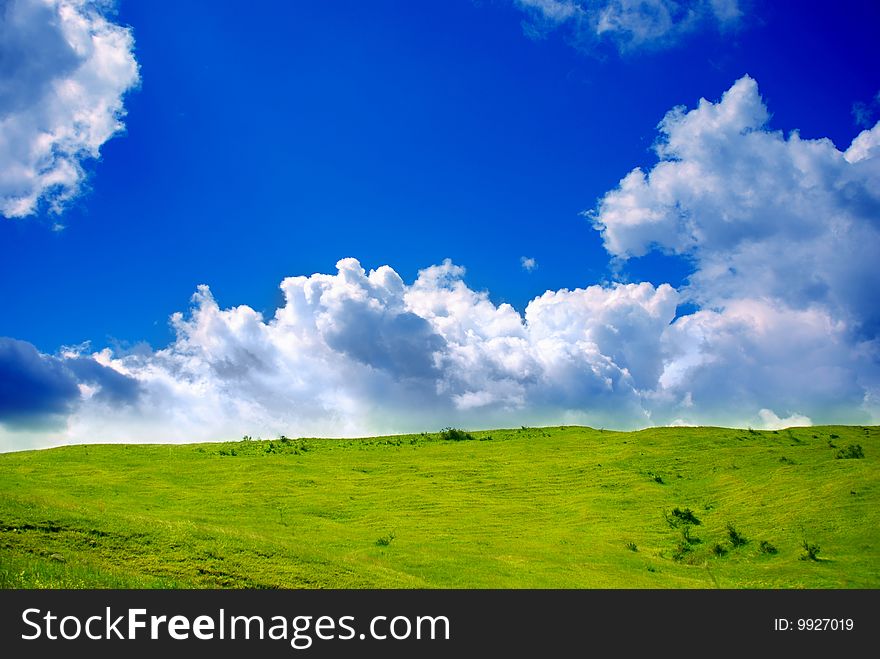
[564, 507]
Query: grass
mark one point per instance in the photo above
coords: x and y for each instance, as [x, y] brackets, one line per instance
[565, 507]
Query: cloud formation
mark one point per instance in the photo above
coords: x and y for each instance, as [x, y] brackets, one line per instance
[40, 391]
[783, 237]
[64, 70]
[362, 352]
[628, 24]
[761, 215]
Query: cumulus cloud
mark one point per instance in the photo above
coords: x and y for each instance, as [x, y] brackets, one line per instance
[64, 70]
[628, 24]
[528, 263]
[784, 237]
[773, 422]
[363, 352]
[761, 214]
[782, 234]
[40, 391]
[723, 367]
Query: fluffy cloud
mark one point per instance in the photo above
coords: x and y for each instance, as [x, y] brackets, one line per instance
[629, 24]
[773, 422]
[783, 237]
[725, 367]
[64, 69]
[762, 215]
[359, 353]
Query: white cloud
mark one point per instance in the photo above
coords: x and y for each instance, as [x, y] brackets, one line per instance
[629, 24]
[528, 264]
[723, 367]
[64, 69]
[773, 422]
[783, 236]
[362, 352]
[762, 215]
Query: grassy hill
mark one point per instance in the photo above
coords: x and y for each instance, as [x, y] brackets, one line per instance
[565, 507]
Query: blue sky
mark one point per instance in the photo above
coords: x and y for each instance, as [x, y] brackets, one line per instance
[272, 139]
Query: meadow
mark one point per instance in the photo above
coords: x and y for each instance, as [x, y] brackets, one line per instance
[558, 507]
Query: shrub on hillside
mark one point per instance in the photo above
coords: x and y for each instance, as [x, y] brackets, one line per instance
[737, 539]
[850, 452]
[455, 435]
[681, 516]
[385, 540]
[811, 551]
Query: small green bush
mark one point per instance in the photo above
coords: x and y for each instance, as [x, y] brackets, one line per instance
[736, 538]
[385, 540]
[719, 550]
[767, 548]
[811, 551]
[455, 435]
[631, 546]
[680, 517]
[852, 451]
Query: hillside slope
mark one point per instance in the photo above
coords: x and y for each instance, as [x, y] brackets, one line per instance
[565, 507]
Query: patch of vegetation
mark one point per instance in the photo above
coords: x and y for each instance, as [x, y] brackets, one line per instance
[852, 451]
[767, 548]
[811, 551]
[385, 540]
[631, 546]
[681, 516]
[455, 435]
[736, 538]
[719, 550]
[304, 513]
